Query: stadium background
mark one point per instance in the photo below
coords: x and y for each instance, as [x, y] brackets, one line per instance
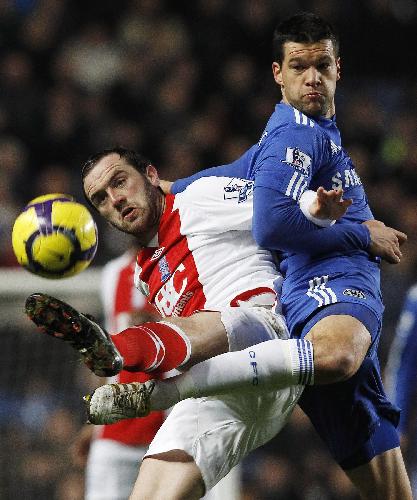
[188, 84]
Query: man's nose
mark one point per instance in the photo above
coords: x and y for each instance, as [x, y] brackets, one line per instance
[115, 197]
[313, 76]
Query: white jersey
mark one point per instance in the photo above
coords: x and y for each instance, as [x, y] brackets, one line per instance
[204, 256]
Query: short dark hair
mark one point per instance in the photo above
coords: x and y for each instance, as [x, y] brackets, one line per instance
[132, 158]
[305, 27]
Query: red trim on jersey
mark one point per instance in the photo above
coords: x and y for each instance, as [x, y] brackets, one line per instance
[249, 294]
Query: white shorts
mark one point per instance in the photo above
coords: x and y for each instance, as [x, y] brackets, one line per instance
[219, 432]
[112, 469]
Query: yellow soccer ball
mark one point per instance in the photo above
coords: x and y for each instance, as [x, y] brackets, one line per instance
[54, 236]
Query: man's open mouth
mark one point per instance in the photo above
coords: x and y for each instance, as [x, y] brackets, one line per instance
[128, 212]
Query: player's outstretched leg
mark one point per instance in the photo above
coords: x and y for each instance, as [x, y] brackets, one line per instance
[60, 320]
[113, 402]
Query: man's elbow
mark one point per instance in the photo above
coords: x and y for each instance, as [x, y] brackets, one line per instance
[262, 235]
[269, 236]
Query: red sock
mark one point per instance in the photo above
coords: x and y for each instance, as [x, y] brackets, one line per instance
[153, 347]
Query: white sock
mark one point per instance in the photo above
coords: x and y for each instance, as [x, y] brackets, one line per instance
[165, 394]
[269, 365]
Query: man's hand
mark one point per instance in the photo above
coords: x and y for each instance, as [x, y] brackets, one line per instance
[385, 241]
[329, 204]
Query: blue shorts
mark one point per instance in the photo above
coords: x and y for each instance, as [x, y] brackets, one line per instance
[303, 297]
[354, 418]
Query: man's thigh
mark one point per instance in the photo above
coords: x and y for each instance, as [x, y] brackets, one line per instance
[231, 329]
[172, 475]
[206, 333]
[175, 475]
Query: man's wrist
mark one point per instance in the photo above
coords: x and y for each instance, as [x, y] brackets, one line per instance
[367, 233]
[306, 200]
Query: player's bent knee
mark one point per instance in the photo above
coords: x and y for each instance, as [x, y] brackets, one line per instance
[340, 346]
[345, 366]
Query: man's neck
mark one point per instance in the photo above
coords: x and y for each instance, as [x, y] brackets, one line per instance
[152, 240]
[328, 115]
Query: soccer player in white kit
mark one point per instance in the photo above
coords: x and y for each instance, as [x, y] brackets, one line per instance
[114, 452]
[202, 269]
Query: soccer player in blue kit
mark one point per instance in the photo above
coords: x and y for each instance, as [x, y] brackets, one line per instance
[331, 291]
[401, 373]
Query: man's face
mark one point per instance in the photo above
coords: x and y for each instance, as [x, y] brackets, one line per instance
[127, 199]
[308, 77]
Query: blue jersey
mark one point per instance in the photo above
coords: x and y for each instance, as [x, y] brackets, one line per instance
[296, 153]
[402, 365]
[326, 270]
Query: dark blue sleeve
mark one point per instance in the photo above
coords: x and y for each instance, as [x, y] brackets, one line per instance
[278, 224]
[404, 361]
[289, 159]
[239, 168]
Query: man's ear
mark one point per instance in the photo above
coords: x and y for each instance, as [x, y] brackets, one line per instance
[152, 175]
[277, 73]
[338, 68]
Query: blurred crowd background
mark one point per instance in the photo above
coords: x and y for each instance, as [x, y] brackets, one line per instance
[189, 84]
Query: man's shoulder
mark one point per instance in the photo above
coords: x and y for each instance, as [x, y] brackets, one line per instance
[215, 204]
[289, 131]
[221, 188]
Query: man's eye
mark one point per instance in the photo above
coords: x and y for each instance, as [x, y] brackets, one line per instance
[299, 68]
[119, 182]
[98, 201]
[324, 66]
